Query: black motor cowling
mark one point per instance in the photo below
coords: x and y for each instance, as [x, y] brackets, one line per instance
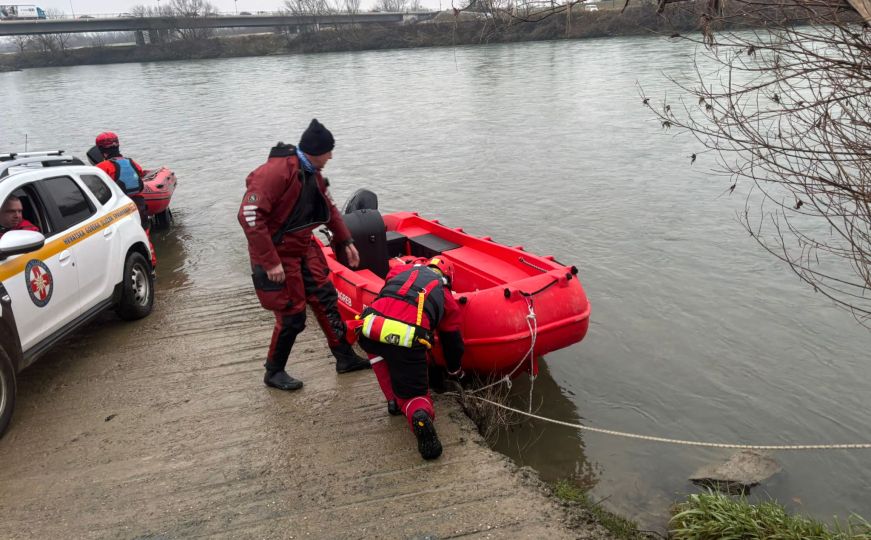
[370, 237]
[95, 155]
[362, 199]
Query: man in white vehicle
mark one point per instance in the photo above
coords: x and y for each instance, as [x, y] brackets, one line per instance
[12, 217]
[85, 252]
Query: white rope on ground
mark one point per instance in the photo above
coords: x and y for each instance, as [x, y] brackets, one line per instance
[850, 446]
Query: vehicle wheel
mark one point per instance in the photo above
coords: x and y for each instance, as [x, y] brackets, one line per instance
[7, 391]
[163, 220]
[137, 292]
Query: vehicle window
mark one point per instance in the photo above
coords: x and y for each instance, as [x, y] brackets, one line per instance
[71, 203]
[99, 188]
[32, 207]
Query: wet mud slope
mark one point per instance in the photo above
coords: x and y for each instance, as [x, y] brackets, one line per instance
[163, 429]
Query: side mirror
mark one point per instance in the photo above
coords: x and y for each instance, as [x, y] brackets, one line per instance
[18, 242]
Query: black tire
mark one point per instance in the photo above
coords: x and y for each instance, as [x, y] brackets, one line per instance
[163, 220]
[137, 289]
[7, 391]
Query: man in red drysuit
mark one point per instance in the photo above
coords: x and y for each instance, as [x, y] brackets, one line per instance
[285, 199]
[398, 329]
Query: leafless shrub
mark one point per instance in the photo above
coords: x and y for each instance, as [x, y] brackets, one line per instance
[189, 15]
[22, 43]
[490, 420]
[787, 113]
[96, 39]
[50, 43]
[392, 5]
[151, 11]
[309, 7]
[350, 6]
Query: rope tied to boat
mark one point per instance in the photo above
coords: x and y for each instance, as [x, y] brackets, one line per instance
[683, 442]
[532, 324]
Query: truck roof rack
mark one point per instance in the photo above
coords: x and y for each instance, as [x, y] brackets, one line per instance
[18, 155]
[37, 160]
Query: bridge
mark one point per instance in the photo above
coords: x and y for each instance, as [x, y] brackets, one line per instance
[160, 25]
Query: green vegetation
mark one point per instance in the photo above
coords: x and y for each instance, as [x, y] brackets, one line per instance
[620, 527]
[721, 517]
[716, 516]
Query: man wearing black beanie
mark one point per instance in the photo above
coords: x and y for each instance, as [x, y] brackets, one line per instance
[317, 140]
[286, 198]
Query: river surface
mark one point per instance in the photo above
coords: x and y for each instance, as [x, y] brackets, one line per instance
[696, 333]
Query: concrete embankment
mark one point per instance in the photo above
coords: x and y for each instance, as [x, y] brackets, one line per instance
[163, 429]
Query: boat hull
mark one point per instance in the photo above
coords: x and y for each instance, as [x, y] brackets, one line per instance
[159, 186]
[516, 306]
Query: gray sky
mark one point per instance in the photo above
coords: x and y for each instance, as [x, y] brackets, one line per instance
[94, 7]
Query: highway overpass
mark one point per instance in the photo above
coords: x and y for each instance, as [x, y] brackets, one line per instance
[159, 24]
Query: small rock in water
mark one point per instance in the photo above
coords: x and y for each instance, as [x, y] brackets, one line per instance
[744, 470]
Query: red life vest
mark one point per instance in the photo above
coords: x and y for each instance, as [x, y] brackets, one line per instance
[407, 309]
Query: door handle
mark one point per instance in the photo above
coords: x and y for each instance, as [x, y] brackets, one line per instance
[64, 257]
[107, 233]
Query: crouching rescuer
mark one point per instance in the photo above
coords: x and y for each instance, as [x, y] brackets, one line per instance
[286, 198]
[397, 331]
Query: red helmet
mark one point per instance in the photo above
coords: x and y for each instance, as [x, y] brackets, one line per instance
[107, 140]
[444, 267]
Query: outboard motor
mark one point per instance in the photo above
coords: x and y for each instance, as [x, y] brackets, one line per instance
[95, 155]
[370, 237]
[362, 199]
[368, 230]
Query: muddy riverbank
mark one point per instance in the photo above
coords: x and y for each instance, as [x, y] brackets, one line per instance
[163, 428]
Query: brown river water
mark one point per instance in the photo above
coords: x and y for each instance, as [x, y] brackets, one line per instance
[696, 333]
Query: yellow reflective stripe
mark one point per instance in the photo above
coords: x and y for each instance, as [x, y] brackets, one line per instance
[13, 267]
[409, 336]
[420, 298]
[367, 324]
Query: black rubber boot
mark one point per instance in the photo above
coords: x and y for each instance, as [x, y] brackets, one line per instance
[347, 360]
[393, 408]
[281, 380]
[428, 443]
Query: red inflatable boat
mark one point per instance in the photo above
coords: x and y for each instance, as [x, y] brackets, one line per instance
[516, 306]
[159, 187]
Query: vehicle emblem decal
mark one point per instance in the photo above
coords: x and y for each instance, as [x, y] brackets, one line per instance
[252, 198]
[40, 284]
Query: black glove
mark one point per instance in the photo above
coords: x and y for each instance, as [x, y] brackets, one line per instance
[459, 377]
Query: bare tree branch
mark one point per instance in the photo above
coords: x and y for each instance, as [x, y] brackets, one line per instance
[787, 112]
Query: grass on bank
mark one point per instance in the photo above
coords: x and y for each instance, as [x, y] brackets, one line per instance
[717, 516]
[621, 528]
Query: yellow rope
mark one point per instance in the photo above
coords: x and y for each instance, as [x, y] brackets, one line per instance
[850, 446]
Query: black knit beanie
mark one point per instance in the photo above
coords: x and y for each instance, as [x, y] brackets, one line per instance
[316, 140]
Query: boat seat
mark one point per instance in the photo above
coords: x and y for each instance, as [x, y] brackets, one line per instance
[370, 237]
[430, 245]
[397, 244]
